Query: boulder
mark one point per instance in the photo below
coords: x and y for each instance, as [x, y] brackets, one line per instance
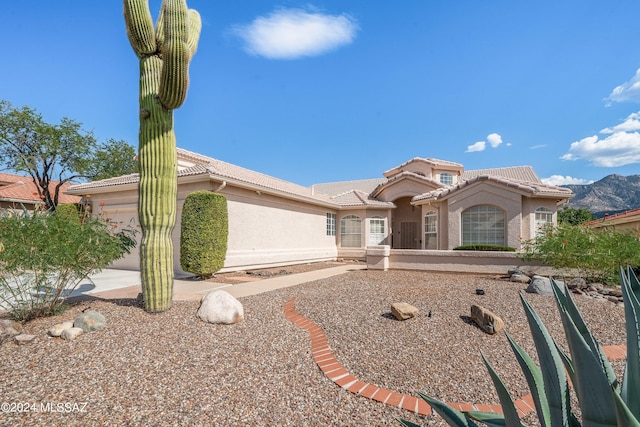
[486, 320]
[540, 285]
[220, 307]
[56, 330]
[71, 333]
[577, 283]
[90, 321]
[403, 311]
[520, 278]
[9, 329]
[24, 339]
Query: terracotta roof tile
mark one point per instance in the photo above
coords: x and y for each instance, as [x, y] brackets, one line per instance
[21, 189]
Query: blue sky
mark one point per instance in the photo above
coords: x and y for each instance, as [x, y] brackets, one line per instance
[333, 90]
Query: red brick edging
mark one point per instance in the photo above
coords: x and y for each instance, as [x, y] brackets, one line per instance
[333, 369]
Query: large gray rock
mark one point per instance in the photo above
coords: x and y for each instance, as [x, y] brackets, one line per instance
[486, 319]
[90, 321]
[403, 311]
[23, 339]
[540, 285]
[220, 307]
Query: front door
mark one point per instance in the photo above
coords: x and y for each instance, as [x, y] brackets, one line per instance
[409, 235]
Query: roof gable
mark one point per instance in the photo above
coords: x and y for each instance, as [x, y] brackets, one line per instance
[425, 166]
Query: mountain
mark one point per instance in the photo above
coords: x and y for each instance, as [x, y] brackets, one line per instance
[612, 194]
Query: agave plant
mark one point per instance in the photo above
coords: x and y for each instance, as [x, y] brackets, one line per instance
[602, 399]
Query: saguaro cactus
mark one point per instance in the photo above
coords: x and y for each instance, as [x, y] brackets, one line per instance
[165, 52]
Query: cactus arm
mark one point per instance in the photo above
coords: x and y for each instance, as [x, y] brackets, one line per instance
[139, 25]
[195, 27]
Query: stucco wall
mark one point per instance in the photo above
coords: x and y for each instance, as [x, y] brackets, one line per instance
[485, 194]
[264, 230]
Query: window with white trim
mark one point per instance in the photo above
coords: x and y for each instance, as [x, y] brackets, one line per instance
[543, 219]
[331, 224]
[431, 230]
[351, 232]
[446, 178]
[483, 224]
[377, 225]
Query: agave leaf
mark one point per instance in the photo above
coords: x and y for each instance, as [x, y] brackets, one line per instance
[625, 417]
[631, 382]
[452, 416]
[591, 382]
[506, 401]
[535, 381]
[568, 364]
[407, 423]
[491, 419]
[565, 303]
[553, 374]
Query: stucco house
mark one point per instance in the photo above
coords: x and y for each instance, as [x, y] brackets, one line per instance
[423, 204]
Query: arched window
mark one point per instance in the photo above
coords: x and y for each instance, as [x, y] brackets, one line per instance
[351, 232]
[431, 230]
[377, 230]
[446, 178]
[543, 218]
[483, 224]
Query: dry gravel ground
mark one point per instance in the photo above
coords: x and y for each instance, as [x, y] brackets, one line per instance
[172, 369]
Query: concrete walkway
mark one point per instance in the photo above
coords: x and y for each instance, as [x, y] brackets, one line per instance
[111, 283]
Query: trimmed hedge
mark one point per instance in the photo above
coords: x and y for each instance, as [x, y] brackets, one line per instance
[484, 247]
[203, 233]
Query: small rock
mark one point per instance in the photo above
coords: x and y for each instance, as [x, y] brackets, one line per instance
[24, 339]
[220, 307]
[56, 330]
[513, 271]
[612, 299]
[90, 321]
[576, 283]
[486, 320]
[403, 311]
[615, 292]
[71, 333]
[520, 278]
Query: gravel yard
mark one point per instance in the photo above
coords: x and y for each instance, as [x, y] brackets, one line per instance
[172, 369]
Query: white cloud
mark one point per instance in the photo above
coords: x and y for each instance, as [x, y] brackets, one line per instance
[295, 33]
[617, 149]
[628, 91]
[494, 139]
[564, 180]
[631, 123]
[478, 146]
[537, 147]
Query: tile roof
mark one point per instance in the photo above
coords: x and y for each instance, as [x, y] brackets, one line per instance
[217, 169]
[21, 189]
[627, 215]
[429, 160]
[535, 188]
[359, 198]
[334, 188]
[519, 173]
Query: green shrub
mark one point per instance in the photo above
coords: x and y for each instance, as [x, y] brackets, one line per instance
[603, 401]
[596, 254]
[484, 247]
[69, 210]
[45, 255]
[203, 233]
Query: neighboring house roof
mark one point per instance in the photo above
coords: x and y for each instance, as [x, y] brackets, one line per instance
[21, 189]
[619, 218]
[534, 188]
